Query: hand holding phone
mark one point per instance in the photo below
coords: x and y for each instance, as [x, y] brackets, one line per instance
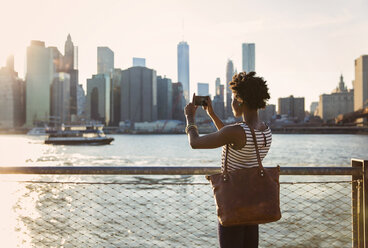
[200, 100]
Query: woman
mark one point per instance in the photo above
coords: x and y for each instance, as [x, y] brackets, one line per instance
[250, 93]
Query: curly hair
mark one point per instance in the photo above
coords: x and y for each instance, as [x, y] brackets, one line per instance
[251, 90]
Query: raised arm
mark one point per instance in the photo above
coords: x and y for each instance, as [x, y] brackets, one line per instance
[218, 123]
[226, 135]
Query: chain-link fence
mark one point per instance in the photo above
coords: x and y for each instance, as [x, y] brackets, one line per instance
[164, 211]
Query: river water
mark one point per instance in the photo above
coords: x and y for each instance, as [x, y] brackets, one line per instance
[173, 150]
[166, 211]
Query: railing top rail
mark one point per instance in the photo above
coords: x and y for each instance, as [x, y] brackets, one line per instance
[130, 170]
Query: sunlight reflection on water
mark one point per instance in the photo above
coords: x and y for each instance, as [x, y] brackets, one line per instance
[22, 204]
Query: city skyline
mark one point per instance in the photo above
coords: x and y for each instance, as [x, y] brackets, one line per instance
[302, 51]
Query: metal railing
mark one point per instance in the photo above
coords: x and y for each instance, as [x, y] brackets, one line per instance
[174, 207]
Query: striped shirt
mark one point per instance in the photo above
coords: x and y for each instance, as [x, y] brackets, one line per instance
[246, 157]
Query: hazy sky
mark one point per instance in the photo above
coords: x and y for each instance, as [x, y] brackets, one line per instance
[302, 47]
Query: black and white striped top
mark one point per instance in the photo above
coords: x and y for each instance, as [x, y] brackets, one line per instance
[246, 157]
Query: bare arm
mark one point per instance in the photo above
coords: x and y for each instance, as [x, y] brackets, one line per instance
[218, 123]
[226, 135]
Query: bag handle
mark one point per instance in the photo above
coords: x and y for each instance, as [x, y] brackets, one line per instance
[257, 151]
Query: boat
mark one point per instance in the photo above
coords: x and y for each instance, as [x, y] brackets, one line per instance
[79, 135]
[37, 131]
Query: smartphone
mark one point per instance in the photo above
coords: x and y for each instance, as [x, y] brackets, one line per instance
[200, 100]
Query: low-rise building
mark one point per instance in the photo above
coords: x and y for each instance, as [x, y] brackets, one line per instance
[267, 113]
[313, 107]
[340, 101]
[293, 107]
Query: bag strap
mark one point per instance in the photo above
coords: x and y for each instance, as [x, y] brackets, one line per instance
[257, 151]
[225, 163]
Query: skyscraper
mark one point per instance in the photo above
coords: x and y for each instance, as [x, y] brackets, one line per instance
[81, 101]
[10, 63]
[178, 102]
[203, 89]
[105, 60]
[217, 86]
[68, 62]
[139, 95]
[139, 62]
[361, 84]
[164, 98]
[60, 98]
[183, 68]
[249, 57]
[12, 97]
[98, 98]
[40, 73]
[117, 79]
[229, 77]
[70, 65]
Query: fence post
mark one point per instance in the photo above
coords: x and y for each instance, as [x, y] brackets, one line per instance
[360, 204]
[365, 201]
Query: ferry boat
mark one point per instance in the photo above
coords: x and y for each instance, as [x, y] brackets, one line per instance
[79, 135]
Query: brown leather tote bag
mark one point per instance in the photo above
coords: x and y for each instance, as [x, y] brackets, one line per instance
[247, 196]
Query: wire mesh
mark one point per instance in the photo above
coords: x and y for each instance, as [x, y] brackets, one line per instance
[179, 212]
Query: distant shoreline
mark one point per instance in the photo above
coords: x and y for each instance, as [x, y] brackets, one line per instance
[320, 130]
[275, 130]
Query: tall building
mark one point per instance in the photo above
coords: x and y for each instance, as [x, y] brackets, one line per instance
[81, 101]
[228, 97]
[293, 107]
[249, 57]
[139, 95]
[12, 97]
[99, 98]
[219, 106]
[139, 62]
[183, 68]
[60, 98]
[361, 84]
[203, 89]
[70, 66]
[221, 93]
[178, 102]
[217, 86]
[10, 63]
[164, 98]
[68, 62]
[105, 60]
[117, 80]
[40, 73]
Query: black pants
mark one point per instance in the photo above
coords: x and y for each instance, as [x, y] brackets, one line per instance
[245, 236]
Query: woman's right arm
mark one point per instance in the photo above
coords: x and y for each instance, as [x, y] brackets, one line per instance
[218, 123]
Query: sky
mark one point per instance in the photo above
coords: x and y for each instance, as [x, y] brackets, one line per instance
[302, 47]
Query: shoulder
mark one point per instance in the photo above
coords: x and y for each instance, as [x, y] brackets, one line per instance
[233, 128]
[235, 135]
